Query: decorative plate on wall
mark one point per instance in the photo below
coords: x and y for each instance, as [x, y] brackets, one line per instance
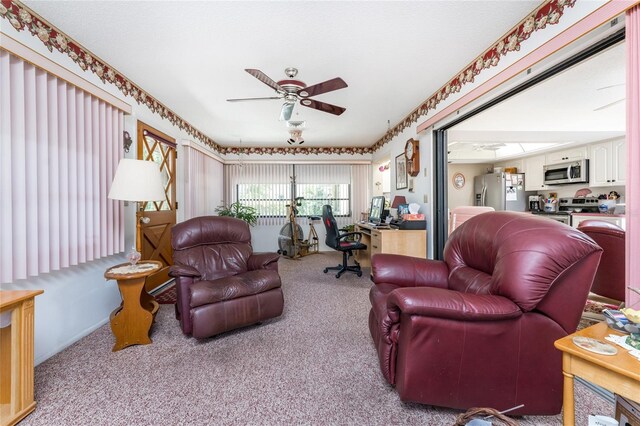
[458, 181]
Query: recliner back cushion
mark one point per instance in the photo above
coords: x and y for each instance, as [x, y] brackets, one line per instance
[523, 255]
[216, 246]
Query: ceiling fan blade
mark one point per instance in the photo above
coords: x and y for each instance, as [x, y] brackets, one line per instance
[323, 106]
[609, 105]
[609, 87]
[324, 87]
[285, 113]
[265, 79]
[254, 99]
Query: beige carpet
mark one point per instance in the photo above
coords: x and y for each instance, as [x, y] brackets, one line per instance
[314, 365]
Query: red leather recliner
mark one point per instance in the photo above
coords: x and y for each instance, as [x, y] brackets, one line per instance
[477, 329]
[610, 277]
[221, 284]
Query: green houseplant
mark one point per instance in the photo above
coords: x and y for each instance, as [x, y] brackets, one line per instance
[246, 213]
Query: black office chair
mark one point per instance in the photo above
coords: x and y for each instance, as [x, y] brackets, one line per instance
[337, 241]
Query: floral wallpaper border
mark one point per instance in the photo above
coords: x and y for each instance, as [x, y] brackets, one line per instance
[22, 18]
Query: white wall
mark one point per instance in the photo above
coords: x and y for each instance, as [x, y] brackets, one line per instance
[465, 195]
[382, 177]
[422, 183]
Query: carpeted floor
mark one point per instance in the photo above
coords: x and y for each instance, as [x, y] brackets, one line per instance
[314, 365]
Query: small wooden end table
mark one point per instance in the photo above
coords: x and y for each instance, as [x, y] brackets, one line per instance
[131, 321]
[619, 373]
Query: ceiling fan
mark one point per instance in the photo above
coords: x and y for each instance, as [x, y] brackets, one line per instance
[600, 108]
[293, 91]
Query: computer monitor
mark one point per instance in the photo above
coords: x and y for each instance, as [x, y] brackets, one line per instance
[376, 210]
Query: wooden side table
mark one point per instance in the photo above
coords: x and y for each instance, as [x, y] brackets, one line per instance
[132, 320]
[618, 373]
[16, 355]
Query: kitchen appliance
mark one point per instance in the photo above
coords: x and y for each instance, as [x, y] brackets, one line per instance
[567, 172]
[534, 203]
[566, 206]
[579, 205]
[502, 191]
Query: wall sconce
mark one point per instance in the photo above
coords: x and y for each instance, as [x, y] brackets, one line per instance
[127, 141]
[384, 167]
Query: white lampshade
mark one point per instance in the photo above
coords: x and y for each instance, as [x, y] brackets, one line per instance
[137, 180]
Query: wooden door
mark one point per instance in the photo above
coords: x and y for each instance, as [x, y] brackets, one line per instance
[154, 239]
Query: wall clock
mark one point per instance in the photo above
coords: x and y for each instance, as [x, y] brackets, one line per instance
[412, 152]
[458, 181]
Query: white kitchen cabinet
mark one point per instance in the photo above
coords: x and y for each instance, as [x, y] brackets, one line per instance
[533, 173]
[567, 155]
[608, 164]
[616, 220]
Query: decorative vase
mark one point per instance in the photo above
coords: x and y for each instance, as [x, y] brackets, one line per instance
[134, 256]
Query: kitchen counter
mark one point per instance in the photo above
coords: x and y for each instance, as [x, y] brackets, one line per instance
[598, 214]
[616, 219]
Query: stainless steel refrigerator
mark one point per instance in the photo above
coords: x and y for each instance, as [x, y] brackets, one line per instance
[502, 191]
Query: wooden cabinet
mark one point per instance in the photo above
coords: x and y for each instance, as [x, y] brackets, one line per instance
[607, 163]
[16, 355]
[533, 173]
[616, 220]
[392, 241]
[567, 155]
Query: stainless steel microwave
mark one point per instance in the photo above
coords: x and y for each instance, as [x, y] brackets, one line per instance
[568, 172]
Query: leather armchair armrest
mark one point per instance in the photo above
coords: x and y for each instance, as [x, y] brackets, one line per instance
[406, 271]
[262, 261]
[442, 303]
[183, 271]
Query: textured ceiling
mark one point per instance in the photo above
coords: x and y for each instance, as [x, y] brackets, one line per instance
[192, 56]
[580, 105]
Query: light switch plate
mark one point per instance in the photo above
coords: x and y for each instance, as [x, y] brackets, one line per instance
[425, 199]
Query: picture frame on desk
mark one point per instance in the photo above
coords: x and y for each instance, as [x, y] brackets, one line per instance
[403, 209]
[401, 172]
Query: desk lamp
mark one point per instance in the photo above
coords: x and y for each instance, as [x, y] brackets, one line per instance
[397, 200]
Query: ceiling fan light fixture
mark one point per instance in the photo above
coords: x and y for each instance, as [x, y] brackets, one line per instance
[296, 137]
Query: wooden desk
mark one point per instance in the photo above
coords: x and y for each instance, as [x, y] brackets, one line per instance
[131, 321]
[618, 373]
[391, 241]
[16, 355]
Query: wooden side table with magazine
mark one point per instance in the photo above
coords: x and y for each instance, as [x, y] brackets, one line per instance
[619, 373]
[131, 321]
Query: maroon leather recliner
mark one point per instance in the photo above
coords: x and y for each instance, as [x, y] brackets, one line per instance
[477, 329]
[610, 278]
[221, 284]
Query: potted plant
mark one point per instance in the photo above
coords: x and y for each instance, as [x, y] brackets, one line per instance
[237, 210]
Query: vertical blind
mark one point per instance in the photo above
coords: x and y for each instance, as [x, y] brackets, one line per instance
[275, 188]
[59, 148]
[201, 174]
[275, 183]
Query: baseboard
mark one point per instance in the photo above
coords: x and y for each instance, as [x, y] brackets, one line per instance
[71, 341]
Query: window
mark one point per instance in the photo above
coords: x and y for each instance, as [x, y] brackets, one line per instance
[269, 188]
[317, 195]
[270, 199]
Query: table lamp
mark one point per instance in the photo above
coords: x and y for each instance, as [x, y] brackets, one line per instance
[139, 181]
[397, 200]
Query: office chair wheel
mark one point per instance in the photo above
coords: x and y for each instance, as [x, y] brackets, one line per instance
[359, 273]
[338, 275]
[326, 270]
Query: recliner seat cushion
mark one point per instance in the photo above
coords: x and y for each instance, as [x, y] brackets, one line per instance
[232, 287]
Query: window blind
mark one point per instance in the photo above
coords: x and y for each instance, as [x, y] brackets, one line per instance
[201, 174]
[59, 148]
